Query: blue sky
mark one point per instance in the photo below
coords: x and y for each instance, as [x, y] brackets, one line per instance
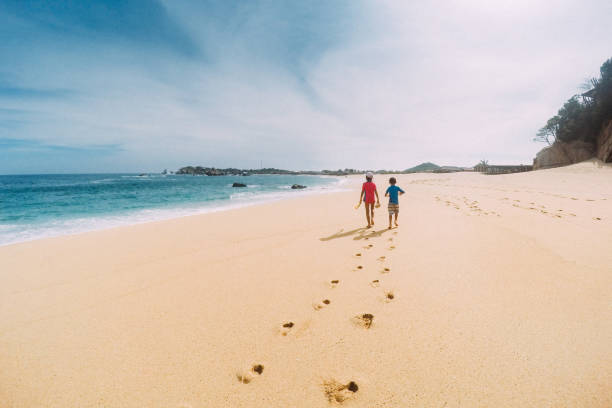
[143, 85]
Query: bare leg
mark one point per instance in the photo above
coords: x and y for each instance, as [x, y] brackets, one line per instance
[390, 217]
[396, 224]
[367, 210]
[372, 215]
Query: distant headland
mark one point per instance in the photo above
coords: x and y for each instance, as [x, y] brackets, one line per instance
[212, 171]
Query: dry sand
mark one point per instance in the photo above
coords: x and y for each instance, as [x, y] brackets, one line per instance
[502, 297]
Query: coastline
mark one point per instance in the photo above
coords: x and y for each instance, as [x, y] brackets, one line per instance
[495, 303]
[100, 222]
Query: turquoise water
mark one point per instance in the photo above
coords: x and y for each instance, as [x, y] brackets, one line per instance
[37, 206]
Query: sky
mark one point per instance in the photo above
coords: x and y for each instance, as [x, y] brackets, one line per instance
[143, 85]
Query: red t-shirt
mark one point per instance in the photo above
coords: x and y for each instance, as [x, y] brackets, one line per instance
[369, 189]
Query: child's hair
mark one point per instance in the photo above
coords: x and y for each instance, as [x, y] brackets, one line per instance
[392, 180]
[369, 178]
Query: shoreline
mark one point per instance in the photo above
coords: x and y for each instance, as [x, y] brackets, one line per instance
[493, 303]
[107, 221]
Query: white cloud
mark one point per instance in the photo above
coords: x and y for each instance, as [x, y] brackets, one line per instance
[449, 82]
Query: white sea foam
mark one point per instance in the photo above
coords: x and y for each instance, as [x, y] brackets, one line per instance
[14, 233]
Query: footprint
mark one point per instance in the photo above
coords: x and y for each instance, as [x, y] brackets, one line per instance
[244, 378]
[375, 283]
[359, 267]
[319, 306]
[597, 218]
[334, 283]
[247, 377]
[382, 258]
[338, 392]
[364, 320]
[389, 296]
[358, 254]
[385, 270]
[286, 328]
[391, 248]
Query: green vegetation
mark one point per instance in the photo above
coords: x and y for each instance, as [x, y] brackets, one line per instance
[423, 167]
[582, 116]
[211, 171]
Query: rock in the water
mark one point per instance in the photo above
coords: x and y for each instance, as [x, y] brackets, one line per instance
[239, 185]
[297, 187]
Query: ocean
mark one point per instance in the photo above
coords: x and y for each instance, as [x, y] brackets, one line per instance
[39, 206]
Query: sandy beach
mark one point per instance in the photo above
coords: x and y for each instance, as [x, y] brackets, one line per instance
[495, 291]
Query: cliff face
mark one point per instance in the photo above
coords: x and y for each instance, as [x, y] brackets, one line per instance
[563, 154]
[604, 143]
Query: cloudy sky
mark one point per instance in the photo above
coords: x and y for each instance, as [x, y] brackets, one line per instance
[143, 85]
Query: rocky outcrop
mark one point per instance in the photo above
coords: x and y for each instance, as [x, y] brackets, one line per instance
[297, 187]
[239, 185]
[562, 154]
[604, 143]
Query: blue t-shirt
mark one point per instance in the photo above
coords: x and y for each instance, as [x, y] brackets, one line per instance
[394, 194]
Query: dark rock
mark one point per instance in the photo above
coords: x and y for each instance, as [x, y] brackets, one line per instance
[297, 187]
[604, 143]
[239, 185]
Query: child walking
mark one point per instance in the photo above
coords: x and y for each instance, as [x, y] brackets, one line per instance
[368, 192]
[393, 192]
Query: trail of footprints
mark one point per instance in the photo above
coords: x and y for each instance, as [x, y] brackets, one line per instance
[335, 391]
[472, 206]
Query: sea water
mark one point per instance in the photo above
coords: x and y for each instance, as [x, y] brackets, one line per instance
[38, 206]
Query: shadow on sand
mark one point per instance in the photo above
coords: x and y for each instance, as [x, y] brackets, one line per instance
[361, 233]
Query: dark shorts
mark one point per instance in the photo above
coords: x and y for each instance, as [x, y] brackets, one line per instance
[393, 208]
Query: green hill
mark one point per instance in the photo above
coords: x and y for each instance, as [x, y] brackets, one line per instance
[423, 167]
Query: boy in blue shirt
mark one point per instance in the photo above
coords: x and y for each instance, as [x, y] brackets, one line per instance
[393, 192]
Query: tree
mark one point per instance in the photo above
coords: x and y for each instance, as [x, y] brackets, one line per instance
[582, 117]
[548, 133]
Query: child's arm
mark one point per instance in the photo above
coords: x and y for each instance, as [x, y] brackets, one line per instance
[377, 199]
[401, 191]
[361, 196]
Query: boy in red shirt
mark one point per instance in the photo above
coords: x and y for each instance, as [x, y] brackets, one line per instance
[368, 191]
